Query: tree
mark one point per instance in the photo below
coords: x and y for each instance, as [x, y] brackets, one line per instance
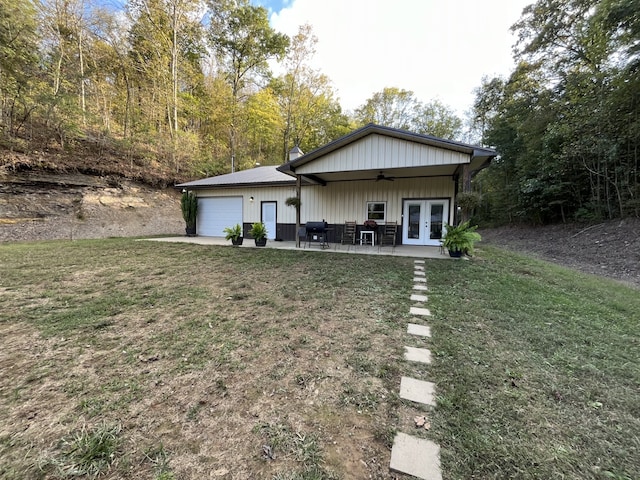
[165, 49]
[397, 108]
[243, 41]
[566, 121]
[306, 98]
[435, 118]
[18, 63]
[392, 107]
[64, 31]
[488, 97]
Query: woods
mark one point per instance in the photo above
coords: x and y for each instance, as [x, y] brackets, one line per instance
[177, 84]
[191, 89]
[566, 122]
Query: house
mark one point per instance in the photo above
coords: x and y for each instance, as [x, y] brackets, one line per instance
[374, 173]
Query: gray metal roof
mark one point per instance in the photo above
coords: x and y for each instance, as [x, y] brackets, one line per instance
[259, 176]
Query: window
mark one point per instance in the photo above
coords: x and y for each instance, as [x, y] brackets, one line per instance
[377, 211]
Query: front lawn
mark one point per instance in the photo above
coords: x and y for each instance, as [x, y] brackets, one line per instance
[169, 361]
[538, 371]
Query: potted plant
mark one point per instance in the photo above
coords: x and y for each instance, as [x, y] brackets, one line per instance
[234, 234]
[370, 225]
[189, 206]
[460, 240]
[293, 202]
[259, 233]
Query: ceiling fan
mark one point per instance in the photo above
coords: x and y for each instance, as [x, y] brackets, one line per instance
[382, 177]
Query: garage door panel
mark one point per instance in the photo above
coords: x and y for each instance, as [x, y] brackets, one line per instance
[216, 213]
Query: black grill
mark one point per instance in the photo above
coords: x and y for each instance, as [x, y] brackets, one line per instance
[317, 233]
[316, 227]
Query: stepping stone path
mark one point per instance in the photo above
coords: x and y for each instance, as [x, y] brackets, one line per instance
[412, 455]
[419, 311]
[419, 330]
[416, 456]
[417, 391]
[413, 354]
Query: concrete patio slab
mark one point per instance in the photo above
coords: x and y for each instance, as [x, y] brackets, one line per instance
[397, 251]
[417, 391]
[419, 330]
[419, 311]
[422, 288]
[420, 355]
[416, 456]
[418, 298]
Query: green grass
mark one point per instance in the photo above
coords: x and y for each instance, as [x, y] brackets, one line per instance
[88, 452]
[537, 370]
[191, 347]
[203, 355]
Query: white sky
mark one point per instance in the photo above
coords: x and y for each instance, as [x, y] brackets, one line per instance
[439, 49]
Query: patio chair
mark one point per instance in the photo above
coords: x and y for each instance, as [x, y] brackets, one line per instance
[388, 234]
[302, 235]
[349, 233]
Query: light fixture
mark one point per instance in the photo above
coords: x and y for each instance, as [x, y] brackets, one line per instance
[251, 199]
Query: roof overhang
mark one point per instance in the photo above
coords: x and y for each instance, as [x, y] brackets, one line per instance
[478, 157]
[456, 157]
[196, 186]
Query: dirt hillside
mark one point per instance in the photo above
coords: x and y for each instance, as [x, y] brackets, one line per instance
[610, 249]
[38, 205]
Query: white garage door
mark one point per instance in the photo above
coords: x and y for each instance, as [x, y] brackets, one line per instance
[216, 213]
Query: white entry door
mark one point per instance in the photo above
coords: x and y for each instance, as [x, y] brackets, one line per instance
[423, 221]
[269, 218]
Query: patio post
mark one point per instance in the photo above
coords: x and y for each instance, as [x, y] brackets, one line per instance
[298, 189]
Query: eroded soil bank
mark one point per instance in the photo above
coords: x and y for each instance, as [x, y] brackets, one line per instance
[610, 249]
[50, 206]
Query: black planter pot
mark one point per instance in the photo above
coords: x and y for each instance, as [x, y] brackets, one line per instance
[260, 242]
[237, 241]
[455, 254]
[190, 230]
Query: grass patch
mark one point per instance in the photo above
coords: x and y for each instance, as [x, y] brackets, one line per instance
[536, 368]
[189, 347]
[89, 452]
[212, 353]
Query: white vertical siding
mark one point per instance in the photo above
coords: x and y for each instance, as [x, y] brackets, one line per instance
[377, 152]
[341, 201]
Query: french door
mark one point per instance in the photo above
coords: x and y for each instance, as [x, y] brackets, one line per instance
[423, 221]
